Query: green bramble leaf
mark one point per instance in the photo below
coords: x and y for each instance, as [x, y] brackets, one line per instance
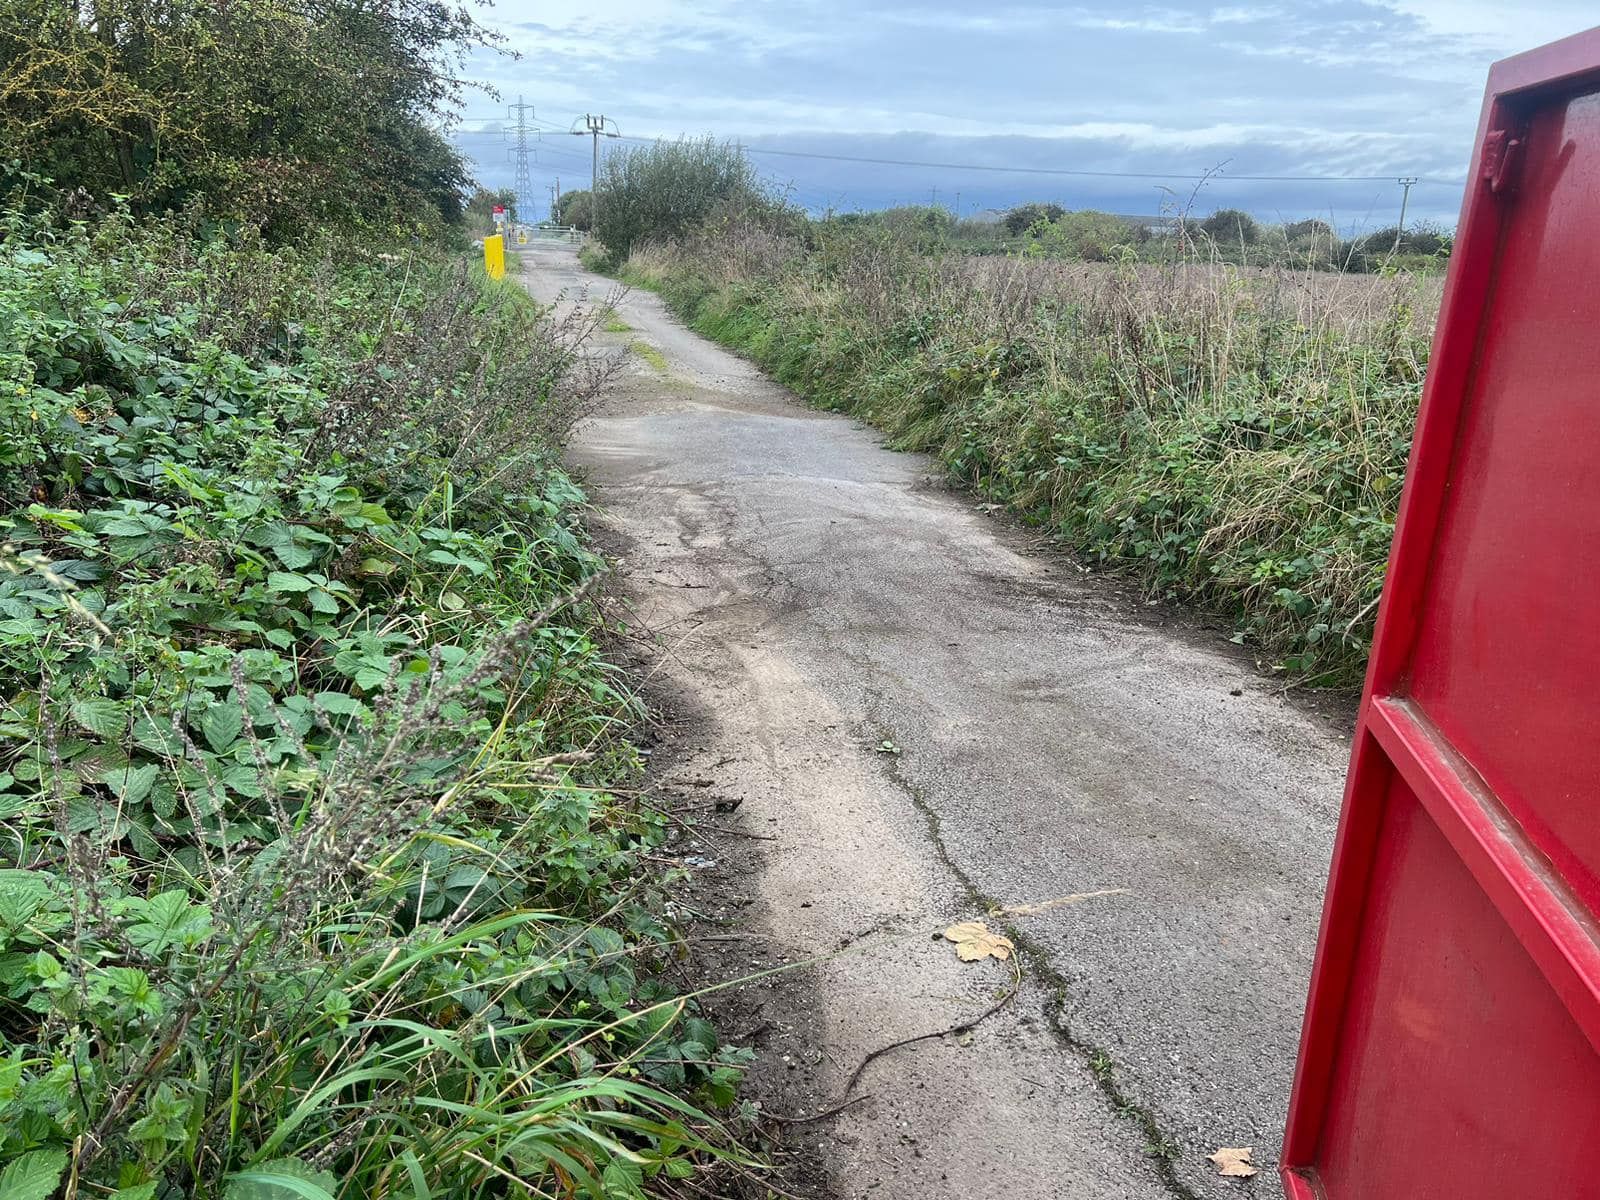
[340, 704]
[22, 894]
[221, 724]
[623, 1179]
[34, 1175]
[286, 582]
[132, 784]
[282, 540]
[98, 715]
[167, 920]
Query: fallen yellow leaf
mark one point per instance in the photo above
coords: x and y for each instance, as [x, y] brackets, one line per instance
[1233, 1161]
[974, 941]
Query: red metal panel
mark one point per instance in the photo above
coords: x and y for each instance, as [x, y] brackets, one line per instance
[1452, 1038]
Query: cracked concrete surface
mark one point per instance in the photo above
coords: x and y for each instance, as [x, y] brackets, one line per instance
[814, 595]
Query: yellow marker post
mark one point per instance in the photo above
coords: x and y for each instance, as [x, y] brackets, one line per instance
[494, 256]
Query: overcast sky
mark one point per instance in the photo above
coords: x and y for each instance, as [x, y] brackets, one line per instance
[1306, 87]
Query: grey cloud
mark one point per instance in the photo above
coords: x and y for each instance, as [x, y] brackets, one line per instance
[1309, 87]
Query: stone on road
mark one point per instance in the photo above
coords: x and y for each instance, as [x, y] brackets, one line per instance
[934, 719]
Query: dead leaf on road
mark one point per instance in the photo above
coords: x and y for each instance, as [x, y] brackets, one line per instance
[974, 940]
[1233, 1161]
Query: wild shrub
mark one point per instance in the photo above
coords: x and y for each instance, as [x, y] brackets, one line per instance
[1084, 236]
[315, 883]
[482, 203]
[577, 209]
[288, 116]
[1231, 226]
[664, 189]
[1421, 245]
[1023, 218]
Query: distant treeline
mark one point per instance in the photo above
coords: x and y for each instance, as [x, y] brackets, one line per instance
[661, 191]
[1229, 234]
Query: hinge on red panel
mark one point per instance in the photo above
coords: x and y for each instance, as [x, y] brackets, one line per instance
[1502, 155]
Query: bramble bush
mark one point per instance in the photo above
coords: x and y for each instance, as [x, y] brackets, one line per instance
[316, 885]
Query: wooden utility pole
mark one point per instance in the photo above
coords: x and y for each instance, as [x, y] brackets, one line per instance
[595, 127]
[1406, 182]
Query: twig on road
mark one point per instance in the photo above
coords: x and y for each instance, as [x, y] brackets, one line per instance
[962, 1027]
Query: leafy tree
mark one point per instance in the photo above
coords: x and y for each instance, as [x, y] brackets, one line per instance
[481, 206]
[286, 114]
[576, 208]
[1231, 225]
[1087, 235]
[665, 189]
[1311, 228]
[1026, 216]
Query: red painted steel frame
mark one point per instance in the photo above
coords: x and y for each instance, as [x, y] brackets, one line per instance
[1451, 1045]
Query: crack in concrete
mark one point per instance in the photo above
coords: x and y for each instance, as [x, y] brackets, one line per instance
[1159, 1147]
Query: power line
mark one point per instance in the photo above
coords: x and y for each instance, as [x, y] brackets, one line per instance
[1072, 172]
[499, 131]
[544, 151]
[950, 166]
[533, 120]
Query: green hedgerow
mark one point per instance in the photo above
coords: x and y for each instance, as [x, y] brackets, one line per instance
[316, 885]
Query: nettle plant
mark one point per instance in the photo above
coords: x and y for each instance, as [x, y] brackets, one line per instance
[315, 886]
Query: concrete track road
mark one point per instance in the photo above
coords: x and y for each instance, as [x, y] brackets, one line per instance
[935, 719]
